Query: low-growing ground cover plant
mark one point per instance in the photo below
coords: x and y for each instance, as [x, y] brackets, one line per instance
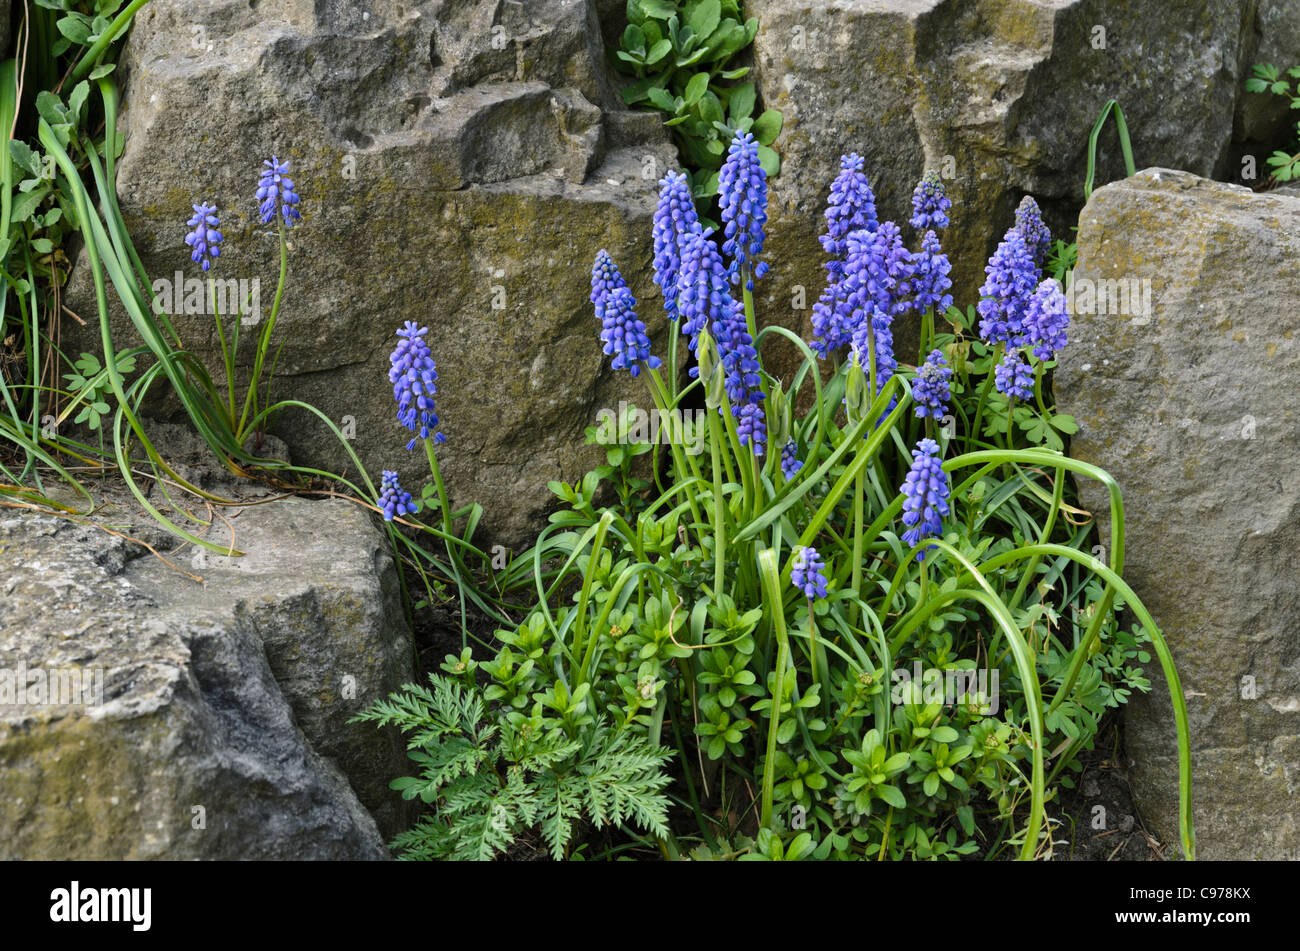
[876, 630]
[1268, 78]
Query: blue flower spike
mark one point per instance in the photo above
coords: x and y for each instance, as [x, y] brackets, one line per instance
[742, 192]
[393, 499]
[930, 203]
[932, 388]
[808, 573]
[925, 496]
[275, 192]
[675, 218]
[414, 378]
[624, 334]
[205, 240]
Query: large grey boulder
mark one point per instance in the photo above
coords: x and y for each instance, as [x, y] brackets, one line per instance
[997, 96]
[224, 686]
[1191, 407]
[460, 163]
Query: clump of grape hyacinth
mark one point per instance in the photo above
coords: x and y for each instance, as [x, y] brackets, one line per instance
[932, 388]
[930, 203]
[742, 191]
[808, 573]
[275, 192]
[624, 334]
[205, 239]
[1012, 279]
[393, 499]
[790, 462]
[1029, 222]
[925, 496]
[605, 279]
[414, 380]
[675, 217]
[1013, 377]
[1047, 319]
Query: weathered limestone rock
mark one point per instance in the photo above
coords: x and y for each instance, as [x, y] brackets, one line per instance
[460, 163]
[999, 95]
[1191, 408]
[221, 728]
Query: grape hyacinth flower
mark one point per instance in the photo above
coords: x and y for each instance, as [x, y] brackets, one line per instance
[414, 380]
[1013, 376]
[877, 273]
[808, 573]
[875, 278]
[605, 279]
[1029, 222]
[830, 319]
[705, 302]
[275, 191]
[751, 426]
[930, 203]
[624, 334]
[393, 499]
[851, 207]
[932, 388]
[882, 343]
[675, 217]
[930, 281]
[1047, 319]
[742, 192]
[703, 291]
[925, 496]
[205, 239]
[1012, 279]
[790, 461]
[878, 269]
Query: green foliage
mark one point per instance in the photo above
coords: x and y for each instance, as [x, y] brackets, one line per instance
[495, 774]
[92, 387]
[1267, 78]
[682, 56]
[621, 452]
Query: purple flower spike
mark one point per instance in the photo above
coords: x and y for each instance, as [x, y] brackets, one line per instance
[1029, 222]
[1013, 377]
[393, 499]
[742, 191]
[925, 496]
[414, 380]
[1012, 278]
[930, 203]
[932, 388]
[790, 462]
[675, 217]
[624, 334]
[930, 282]
[807, 573]
[275, 191]
[605, 279]
[205, 239]
[1047, 318]
[705, 301]
[851, 207]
